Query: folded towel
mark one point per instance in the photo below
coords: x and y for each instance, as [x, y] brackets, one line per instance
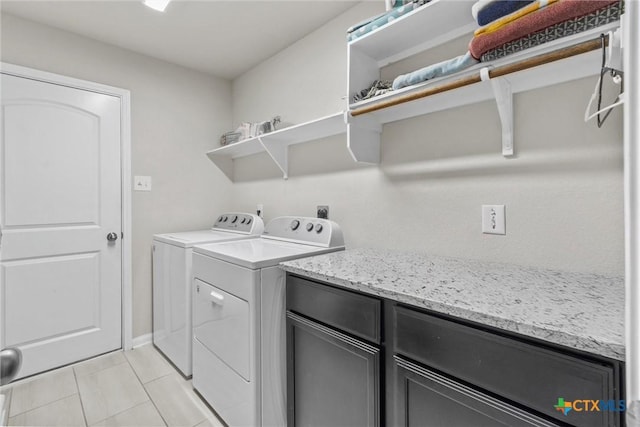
[558, 12]
[487, 11]
[477, 6]
[505, 20]
[381, 20]
[440, 69]
[576, 25]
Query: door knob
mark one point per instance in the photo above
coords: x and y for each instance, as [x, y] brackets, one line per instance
[112, 237]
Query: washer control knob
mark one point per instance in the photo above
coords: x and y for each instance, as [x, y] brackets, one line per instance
[309, 226]
[318, 228]
[220, 219]
[248, 220]
[295, 224]
[235, 218]
[225, 218]
[243, 220]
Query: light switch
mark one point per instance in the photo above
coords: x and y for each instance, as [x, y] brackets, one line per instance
[142, 183]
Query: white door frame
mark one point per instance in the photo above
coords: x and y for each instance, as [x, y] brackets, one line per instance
[125, 177]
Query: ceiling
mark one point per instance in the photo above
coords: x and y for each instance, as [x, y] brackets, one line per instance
[221, 37]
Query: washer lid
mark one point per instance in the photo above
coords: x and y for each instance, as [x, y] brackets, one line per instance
[261, 252]
[187, 239]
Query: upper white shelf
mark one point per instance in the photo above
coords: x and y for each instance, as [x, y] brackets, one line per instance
[568, 69]
[366, 117]
[276, 143]
[430, 25]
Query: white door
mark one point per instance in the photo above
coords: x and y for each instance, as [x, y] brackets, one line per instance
[60, 277]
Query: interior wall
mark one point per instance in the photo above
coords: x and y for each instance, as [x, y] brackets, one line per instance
[176, 116]
[563, 191]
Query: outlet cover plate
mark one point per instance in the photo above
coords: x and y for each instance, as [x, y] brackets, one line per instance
[493, 219]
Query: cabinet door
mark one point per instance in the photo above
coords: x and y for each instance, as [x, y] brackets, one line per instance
[332, 379]
[426, 399]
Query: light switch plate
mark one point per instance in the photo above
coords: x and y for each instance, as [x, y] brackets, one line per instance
[493, 219]
[141, 183]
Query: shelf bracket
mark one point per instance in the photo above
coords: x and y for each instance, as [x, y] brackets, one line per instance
[279, 153]
[363, 138]
[504, 99]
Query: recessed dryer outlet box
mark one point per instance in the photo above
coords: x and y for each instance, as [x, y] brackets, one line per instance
[322, 211]
[493, 219]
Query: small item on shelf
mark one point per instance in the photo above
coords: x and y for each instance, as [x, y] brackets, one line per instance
[555, 13]
[378, 87]
[268, 126]
[401, 7]
[440, 69]
[249, 130]
[230, 138]
[486, 11]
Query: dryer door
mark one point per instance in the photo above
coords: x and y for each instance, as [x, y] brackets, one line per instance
[221, 322]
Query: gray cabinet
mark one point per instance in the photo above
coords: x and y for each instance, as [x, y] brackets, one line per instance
[333, 379]
[528, 374]
[359, 360]
[426, 398]
[333, 356]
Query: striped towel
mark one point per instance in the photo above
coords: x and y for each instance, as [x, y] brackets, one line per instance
[505, 20]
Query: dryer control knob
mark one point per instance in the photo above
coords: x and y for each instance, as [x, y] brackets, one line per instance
[309, 226]
[235, 218]
[295, 224]
[318, 228]
[248, 221]
[243, 220]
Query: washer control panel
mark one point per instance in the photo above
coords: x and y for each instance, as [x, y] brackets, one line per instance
[308, 230]
[240, 222]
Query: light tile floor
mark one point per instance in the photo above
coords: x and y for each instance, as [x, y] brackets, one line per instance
[132, 388]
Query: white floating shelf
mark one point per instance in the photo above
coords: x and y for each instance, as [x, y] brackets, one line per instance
[362, 127]
[277, 143]
[425, 27]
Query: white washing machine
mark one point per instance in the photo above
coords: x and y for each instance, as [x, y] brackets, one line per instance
[239, 363]
[172, 277]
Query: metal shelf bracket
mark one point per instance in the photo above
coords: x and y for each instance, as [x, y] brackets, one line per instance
[504, 99]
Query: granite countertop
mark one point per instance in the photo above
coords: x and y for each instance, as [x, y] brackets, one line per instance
[577, 310]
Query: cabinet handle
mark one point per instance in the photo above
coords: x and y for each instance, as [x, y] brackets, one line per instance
[216, 298]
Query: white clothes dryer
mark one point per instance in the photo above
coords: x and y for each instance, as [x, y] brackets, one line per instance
[172, 277]
[239, 364]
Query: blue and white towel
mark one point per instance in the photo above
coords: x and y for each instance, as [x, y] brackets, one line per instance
[440, 69]
[402, 7]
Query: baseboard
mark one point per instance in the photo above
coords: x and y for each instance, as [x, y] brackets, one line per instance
[142, 340]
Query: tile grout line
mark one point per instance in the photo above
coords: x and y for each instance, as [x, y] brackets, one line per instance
[145, 389]
[39, 406]
[46, 404]
[84, 415]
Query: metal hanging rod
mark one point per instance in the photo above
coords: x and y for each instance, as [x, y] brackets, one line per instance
[503, 70]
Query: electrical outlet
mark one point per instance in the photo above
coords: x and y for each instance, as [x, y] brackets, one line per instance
[142, 183]
[493, 219]
[260, 210]
[322, 211]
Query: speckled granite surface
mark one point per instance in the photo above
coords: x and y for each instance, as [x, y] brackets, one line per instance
[581, 311]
